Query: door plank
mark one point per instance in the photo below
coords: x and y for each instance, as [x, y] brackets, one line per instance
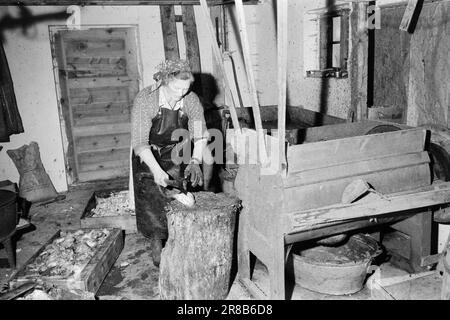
[92, 143]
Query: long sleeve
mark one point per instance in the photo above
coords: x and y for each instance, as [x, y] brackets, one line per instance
[143, 111]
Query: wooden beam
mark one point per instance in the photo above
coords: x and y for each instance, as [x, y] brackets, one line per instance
[218, 55]
[411, 12]
[397, 202]
[191, 39]
[115, 2]
[192, 47]
[282, 27]
[169, 30]
[358, 68]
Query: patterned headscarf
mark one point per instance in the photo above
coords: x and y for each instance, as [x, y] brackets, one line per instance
[168, 67]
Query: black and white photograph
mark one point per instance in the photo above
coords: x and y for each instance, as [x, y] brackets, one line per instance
[218, 156]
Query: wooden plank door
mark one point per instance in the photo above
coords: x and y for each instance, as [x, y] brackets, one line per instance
[98, 79]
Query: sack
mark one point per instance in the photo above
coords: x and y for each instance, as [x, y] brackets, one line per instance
[34, 184]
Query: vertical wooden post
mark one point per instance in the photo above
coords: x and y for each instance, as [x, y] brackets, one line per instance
[169, 30]
[282, 21]
[190, 37]
[192, 47]
[218, 55]
[359, 59]
[445, 292]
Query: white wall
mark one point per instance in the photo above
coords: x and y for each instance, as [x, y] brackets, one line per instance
[31, 69]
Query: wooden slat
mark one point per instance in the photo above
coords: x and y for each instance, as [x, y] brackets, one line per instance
[124, 163]
[356, 168]
[99, 266]
[64, 100]
[101, 109]
[169, 30]
[107, 69]
[393, 203]
[102, 130]
[100, 156]
[190, 37]
[83, 121]
[98, 95]
[95, 48]
[89, 144]
[218, 56]
[115, 2]
[103, 174]
[333, 152]
[330, 192]
[282, 29]
[92, 33]
[339, 131]
[80, 83]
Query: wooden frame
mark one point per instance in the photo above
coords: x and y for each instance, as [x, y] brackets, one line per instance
[93, 273]
[116, 2]
[68, 132]
[123, 222]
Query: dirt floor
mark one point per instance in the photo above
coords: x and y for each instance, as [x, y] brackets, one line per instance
[133, 276]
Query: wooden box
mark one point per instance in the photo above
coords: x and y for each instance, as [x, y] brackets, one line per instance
[93, 273]
[124, 222]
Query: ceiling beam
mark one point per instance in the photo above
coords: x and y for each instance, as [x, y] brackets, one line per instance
[115, 2]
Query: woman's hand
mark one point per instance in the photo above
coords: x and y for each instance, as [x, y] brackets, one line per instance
[160, 177]
[195, 173]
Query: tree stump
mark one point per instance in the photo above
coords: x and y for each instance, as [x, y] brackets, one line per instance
[196, 260]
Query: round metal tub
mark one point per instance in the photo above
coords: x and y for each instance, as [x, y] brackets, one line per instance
[335, 270]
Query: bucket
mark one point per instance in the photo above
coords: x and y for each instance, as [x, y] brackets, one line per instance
[335, 270]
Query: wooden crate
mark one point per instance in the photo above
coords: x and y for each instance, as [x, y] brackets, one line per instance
[93, 273]
[127, 223]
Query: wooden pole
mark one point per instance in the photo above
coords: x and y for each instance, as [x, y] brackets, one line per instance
[282, 18]
[169, 31]
[218, 55]
[359, 59]
[445, 293]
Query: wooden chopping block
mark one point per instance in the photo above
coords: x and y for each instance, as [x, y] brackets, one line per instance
[196, 260]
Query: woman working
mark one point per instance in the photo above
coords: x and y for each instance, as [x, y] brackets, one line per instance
[157, 112]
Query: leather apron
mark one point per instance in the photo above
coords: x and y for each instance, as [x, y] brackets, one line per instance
[150, 201]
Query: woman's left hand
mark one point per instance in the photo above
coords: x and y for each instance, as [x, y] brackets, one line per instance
[193, 170]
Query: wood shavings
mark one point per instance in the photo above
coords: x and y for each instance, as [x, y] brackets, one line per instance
[67, 255]
[117, 204]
